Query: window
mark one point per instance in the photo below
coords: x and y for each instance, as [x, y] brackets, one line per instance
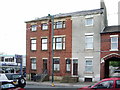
[59, 43]
[88, 65]
[105, 84]
[2, 59]
[34, 27]
[89, 42]
[114, 42]
[88, 21]
[118, 84]
[68, 63]
[33, 44]
[45, 26]
[56, 62]
[44, 43]
[59, 24]
[33, 63]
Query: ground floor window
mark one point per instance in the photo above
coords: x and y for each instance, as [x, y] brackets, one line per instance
[68, 65]
[88, 65]
[33, 63]
[56, 62]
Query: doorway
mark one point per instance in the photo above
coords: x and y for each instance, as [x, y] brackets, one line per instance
[110, 67]
[44, 65]
[75, 67]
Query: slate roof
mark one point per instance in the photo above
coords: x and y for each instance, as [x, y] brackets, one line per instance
[80, 13]
[110, 29]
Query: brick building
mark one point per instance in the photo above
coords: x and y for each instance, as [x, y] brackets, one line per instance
[110, 48]
[76, 44]
[39, 45]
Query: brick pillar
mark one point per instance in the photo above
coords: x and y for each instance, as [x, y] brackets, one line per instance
[102, 72]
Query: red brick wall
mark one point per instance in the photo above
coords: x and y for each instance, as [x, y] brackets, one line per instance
[39, 54]
[105, 49]
[106, 44]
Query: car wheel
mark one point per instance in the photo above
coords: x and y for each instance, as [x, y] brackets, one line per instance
[22, 82]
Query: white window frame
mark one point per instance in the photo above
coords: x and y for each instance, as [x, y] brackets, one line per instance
[59, 24]
[34, 28]
[44, 26]
[87, 44]
[114, 42]
[88, 66]
[68, 65]
[56, 65]
[44, 43]
[59, 45]
[88, 22]
[33, 63]
[33, 43]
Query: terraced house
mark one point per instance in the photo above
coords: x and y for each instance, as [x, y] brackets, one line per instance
[76, 44]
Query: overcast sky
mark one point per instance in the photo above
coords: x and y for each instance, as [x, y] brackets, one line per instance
[14, 13]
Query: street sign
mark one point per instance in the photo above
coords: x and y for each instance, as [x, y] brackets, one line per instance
[18, 58]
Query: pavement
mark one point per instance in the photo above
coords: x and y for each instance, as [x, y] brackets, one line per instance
[59, 84]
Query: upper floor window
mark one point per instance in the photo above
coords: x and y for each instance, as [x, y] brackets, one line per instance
[44, 43]
[59, 24]
[33, 63]
[44, 26]
[59, 43]
[114, 42]
[88, 21]
[33, 44]
[88, 65]
[89, 42]
[33, 27]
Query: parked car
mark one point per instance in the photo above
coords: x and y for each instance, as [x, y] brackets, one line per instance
[16, 79]
[105, 84]
[9, 86]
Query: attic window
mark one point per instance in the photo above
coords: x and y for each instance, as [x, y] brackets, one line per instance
[89, 21]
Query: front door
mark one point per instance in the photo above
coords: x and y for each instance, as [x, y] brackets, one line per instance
[44, 65]
[75, 67]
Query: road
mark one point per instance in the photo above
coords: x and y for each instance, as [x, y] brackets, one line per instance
[46, 87]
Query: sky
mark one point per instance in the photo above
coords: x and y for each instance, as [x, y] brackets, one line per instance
[14, 13]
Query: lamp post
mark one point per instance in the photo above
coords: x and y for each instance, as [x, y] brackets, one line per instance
[52, 51]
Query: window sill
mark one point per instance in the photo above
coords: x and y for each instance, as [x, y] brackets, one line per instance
[89, 25]
[88, 72]
[59, 28]
[56, 71]
[33, 50]
[34, 31]
[59, 49]
[68, 71]
[44, 50]
[114, 50]
[88, 48]
[44, 29]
